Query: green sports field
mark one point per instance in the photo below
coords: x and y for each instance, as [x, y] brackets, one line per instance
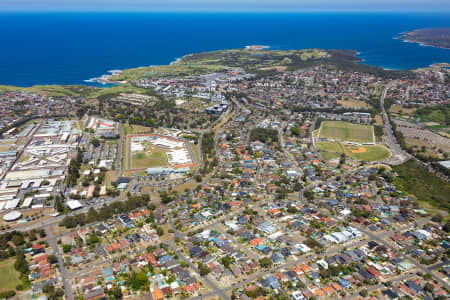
[10, 277]
[368, 153]
[154, 156]
[346, 132]
[331, 150]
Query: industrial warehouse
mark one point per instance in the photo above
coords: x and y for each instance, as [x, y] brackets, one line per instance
[36, 167]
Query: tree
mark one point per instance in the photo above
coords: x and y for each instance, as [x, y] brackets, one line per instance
[429, 287]
[265, 135]
[198, 178]
[7, 294]
[59, 206]
[116, 293]
[93, 239]
[437, 218]
[17, 239]
[312, 243]
[226, 261]
[265, 262]
[324, 273]
[139, 281]
[66, 248]
[52, 258]
[95, 142]
[92, 215]
[21, 264]
[446, 226]
[309, 194]
[364, 293]
[204, 270]
[159, 231]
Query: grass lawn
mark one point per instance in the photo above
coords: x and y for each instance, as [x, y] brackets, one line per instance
[435, 116]
[155, 158]
[196, 153]
[24, 157]
[109, 177]
[368, 153]
[400, 109]
[330, 147]
[134, 129]
[10, 275]
[329, 155]
[330, 150]
[348, 132]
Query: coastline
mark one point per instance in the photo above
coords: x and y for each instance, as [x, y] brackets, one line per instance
[105, 80]
[407, 38]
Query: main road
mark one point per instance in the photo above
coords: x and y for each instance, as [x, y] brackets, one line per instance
[398, 154]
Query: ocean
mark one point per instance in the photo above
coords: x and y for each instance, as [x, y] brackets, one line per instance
[69, 48]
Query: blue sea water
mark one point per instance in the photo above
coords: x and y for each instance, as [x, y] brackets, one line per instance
[68, 48]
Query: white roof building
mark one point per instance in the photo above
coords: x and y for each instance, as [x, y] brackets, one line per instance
[74, 204]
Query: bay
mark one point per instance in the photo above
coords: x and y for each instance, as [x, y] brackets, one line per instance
[68, 48]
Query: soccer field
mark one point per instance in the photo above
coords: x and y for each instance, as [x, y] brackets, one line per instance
[346, 132]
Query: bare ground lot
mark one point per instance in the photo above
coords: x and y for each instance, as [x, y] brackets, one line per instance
[353, 103]
[413, 132]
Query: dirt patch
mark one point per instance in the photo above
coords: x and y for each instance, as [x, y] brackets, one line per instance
[352, 103]
[359, 150]
[378, 120]
[276, 68]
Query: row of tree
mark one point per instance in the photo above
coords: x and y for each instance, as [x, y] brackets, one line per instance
[106, 212]
[73, 172]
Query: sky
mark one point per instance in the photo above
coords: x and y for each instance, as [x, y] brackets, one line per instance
[226, 5]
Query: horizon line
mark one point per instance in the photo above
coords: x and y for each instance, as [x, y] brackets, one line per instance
[206, 11]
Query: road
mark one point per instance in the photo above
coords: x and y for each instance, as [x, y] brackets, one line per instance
[51, 239]
[288, 154]
[398, 154]
[258, 165]
[119, 152]
[439, 265]
[208, 281]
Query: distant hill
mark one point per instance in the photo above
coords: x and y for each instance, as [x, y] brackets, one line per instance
[436, 37]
